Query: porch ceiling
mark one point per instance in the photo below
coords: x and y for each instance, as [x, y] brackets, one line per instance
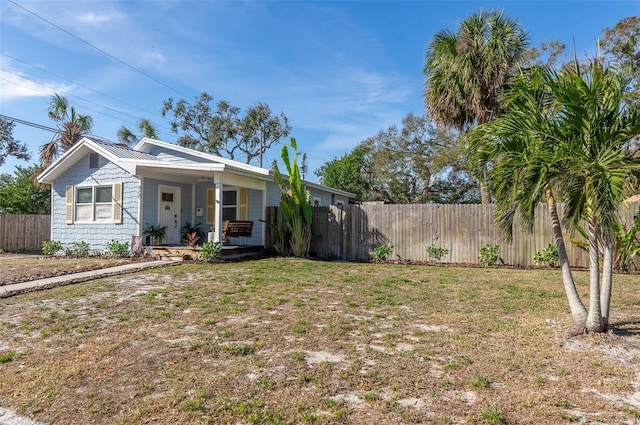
[187, 175]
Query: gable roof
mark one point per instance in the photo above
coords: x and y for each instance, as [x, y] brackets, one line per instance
[169, 157]
[147, 144]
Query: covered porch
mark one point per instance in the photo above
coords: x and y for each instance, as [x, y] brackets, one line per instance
[203, 197]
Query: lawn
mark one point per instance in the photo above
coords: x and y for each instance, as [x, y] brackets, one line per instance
[21, 268]
[284, 341]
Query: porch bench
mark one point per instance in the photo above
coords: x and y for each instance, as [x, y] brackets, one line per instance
[236, 228]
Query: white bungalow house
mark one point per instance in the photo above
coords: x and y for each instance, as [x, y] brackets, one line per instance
[103, 191]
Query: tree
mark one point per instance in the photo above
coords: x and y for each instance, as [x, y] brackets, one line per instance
[146, 127]
[8, 145]
[521, 148]
[72, 127]
[415, 163]
[347, 173]
[223, 131]
[295, 202]
[600, 169]
[18, 194]
[465, 72]
[568, 133]
[621, 46]
[547, 53]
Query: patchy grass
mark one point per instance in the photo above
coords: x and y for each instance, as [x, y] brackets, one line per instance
[283, 341]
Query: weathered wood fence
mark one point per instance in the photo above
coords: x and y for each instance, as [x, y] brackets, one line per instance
[24, 232]
[351, 232]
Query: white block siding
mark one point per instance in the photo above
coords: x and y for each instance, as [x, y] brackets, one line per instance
[273, 194]
[95, 234]
[326, 197]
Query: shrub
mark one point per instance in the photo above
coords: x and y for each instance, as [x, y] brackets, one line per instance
[51, 247]
[191, 239]
[436, 253]
[489, 255]
[548, 256]
[188, 229]
[210, 252]
[119, 249]
[80, 249]
[381, 252]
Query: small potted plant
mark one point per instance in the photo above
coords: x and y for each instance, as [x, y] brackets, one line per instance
[156, 234]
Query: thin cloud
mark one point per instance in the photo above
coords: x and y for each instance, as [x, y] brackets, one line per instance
[14, 86]
[98, 19]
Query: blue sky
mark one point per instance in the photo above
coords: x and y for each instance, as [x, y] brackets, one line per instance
[341, 71]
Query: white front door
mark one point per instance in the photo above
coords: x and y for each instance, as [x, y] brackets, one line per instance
[169, 213]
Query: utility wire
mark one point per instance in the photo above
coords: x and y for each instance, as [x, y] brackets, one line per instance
[100, 50]
[30, 124]
[71, 95]
[78, 84]
[77, 97]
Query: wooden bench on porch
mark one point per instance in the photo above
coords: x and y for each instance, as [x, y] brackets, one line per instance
[235, 229]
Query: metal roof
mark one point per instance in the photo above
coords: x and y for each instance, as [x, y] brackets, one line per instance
[123, 151]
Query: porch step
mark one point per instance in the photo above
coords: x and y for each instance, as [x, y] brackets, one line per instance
[229, 252]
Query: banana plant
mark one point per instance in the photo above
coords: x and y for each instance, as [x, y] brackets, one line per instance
[626, 244]
[295, 202]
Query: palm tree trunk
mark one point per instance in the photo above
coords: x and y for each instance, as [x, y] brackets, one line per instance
[578, 311]
[485, 194]
[594, 319]
[607, 280]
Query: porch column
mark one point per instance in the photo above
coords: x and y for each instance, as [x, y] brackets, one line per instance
[217, 213]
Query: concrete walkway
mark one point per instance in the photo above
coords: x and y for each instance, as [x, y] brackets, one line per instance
[50, 282]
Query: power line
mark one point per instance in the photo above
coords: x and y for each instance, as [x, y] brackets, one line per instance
[77, 97]
[100, 50]
[71, 95]
[30, 124]
[77, 84]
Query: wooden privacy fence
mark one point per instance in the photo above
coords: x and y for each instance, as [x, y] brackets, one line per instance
[351, 232]
[24, 232]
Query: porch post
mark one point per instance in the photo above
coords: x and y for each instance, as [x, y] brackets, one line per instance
[217, 213]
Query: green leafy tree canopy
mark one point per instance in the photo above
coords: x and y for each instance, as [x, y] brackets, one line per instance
[414, 163]
[19, 195]
[9, 146]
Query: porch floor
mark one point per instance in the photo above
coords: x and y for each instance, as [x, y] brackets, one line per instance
[182, 252]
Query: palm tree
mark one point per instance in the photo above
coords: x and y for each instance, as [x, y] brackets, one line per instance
[72, 127]
[523, 148]
[466, 72]
[600, 169]
[148, 129]
[566, 135]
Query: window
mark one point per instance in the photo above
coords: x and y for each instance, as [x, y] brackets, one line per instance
[316, 201]
[167, 197]
[340, 204]
[229, 205]
[89, 204]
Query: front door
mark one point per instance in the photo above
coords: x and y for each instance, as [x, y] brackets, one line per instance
[169, 213]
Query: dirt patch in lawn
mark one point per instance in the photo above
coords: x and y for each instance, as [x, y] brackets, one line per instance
[25, 268]
[281, 341]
